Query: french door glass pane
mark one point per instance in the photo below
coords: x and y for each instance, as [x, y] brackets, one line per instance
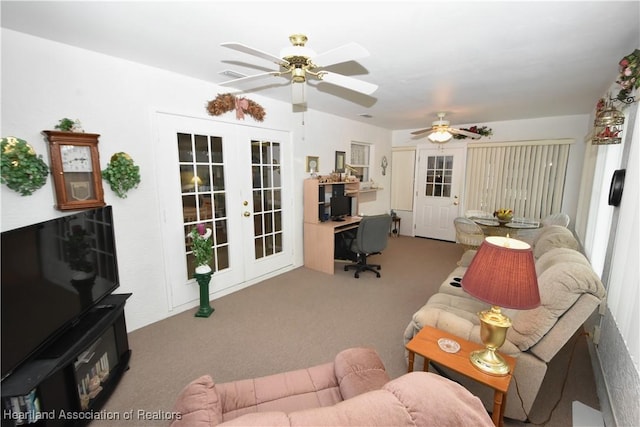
[203, 194]
[267, 203]
[439, 176]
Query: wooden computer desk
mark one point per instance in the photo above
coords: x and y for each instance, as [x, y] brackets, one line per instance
[319, 242]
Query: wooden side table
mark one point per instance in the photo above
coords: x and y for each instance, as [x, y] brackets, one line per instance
[425, 344]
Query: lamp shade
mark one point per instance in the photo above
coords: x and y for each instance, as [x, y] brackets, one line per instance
[503, 273]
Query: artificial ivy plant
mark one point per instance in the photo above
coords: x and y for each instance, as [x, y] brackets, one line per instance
[122, 174]
[22, 169]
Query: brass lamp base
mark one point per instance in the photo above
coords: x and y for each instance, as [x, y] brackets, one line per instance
[493, 332]
[489, 362]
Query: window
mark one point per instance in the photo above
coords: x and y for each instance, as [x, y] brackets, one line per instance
[360, 160]
[439, 176]
[526, 177]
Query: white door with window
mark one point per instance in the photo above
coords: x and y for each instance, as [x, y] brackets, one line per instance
[439, 178]
[233, 179]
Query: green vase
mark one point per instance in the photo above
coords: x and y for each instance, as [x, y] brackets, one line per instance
[203, 280]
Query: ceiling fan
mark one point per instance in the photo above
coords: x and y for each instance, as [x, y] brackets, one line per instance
[440, 131]
[301, 63]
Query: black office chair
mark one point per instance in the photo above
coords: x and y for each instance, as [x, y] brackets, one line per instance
[371, 238]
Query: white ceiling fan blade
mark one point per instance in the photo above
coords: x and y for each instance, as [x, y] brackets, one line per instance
[249, 78]
[348, 52]
[298, 93]
[348, 82]
[468, 134]
[420, 132]
[255, 52]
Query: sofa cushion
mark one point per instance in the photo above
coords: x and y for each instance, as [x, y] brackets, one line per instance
[557, 256]
[359, 370]
[553, 236]
[198, 404]
[560, 286]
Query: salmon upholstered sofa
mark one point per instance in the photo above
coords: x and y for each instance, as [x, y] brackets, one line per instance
[570, 292]
[353, 390]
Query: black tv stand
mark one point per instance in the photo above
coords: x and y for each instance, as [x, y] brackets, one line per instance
[77, 372]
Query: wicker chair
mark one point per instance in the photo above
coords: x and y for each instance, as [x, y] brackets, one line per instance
[468, 233]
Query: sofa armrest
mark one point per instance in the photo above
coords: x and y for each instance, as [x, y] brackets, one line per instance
[359, 370]
[565, 327]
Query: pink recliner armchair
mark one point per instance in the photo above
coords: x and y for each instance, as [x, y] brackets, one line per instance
[353, 390]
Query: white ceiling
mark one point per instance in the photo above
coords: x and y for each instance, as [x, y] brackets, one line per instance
[477, 61]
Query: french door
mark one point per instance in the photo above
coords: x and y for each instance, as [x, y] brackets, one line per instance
[233, 179]
[438, 191]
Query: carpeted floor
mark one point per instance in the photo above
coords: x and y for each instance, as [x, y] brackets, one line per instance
[303, 318]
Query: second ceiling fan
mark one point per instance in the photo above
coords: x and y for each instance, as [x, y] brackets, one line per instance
[301, 63]
[440, 131]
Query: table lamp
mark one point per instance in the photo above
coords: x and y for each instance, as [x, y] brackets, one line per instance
[503, 274]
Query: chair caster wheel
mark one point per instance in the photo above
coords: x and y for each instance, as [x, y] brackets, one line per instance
[346, 268]
[357, 276]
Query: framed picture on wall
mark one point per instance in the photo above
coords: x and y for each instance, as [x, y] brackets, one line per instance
[340, 161]
[312, 164]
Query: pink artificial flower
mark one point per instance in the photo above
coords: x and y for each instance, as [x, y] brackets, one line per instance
[624, 62]
[628, 71]
[201, 229]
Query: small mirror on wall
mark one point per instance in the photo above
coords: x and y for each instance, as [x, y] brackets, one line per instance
[340, 161]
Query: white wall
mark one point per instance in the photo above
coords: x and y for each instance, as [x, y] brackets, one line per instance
[545, 128]
[44, 81]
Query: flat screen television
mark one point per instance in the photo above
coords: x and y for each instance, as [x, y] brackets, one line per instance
[53, 273]
[340, 207]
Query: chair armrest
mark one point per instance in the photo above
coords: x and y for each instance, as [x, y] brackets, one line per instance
[359, 370]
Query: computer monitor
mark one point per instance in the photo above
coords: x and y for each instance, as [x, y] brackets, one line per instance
[340, 207]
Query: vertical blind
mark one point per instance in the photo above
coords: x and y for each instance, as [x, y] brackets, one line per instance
[527, 177]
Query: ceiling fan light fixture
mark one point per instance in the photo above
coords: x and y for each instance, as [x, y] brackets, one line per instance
[440, 136]
[298, 75]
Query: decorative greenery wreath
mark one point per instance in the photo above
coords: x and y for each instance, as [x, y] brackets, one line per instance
[629, 78]
[22, 170]
[122, 174]
[227, 102]
[483, 130]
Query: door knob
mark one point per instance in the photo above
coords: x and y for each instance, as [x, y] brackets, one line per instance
[245, 203]
[246, 213]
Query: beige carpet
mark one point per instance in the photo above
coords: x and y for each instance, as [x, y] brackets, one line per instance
[303, 318]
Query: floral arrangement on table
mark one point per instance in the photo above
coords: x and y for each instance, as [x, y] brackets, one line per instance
[482, 130]
[227, 102]
[503, 214]
[201, 248]
[23, 170]
[629, 78]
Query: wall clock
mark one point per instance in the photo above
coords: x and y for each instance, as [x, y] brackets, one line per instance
[75, 166]
[616, 187]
